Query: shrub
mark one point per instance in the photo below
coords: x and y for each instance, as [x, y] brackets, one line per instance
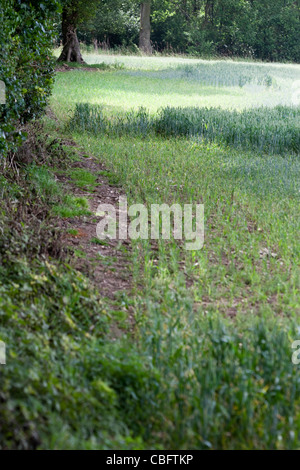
[26, 65]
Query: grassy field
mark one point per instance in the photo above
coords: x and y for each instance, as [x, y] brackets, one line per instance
[214, 327]
[157, 82]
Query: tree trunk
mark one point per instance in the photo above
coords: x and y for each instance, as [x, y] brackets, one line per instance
[145, 31]
[71, 48]
[209, 12]
[95, 41]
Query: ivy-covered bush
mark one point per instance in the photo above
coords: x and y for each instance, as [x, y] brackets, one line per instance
[26, 65]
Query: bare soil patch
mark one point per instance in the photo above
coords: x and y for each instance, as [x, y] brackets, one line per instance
[107, 264]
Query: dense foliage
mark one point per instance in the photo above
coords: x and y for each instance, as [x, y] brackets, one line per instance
[26, 65]
[252, 28]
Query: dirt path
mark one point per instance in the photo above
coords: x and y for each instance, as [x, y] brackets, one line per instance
[107, 264]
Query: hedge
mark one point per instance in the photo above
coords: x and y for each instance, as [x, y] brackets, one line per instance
[26, 65]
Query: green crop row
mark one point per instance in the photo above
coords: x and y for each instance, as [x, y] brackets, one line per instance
[273, 131]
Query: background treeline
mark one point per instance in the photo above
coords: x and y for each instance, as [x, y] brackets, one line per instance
[253, 28]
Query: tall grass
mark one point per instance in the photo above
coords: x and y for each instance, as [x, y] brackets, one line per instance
[274, 131]
[224, 387]
[92, 118]
[267, 130]
[216, 74]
